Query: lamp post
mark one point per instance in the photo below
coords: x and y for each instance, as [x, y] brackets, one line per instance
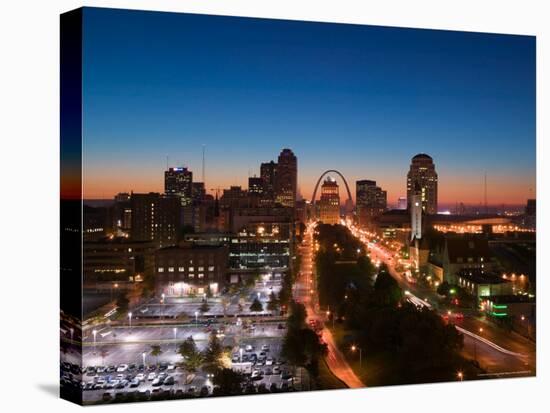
[143, 355]
[241, 355]
[130, 321]
[162, 305]
[94, 333]
[354, 348]
[196, 318]
[460, 376]
[176, 339]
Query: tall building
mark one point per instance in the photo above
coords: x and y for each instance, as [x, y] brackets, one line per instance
[329, 204]
[179, 182]
[255, 186]
[371, 201]
[198, 191]
[422, 173]
[286, 181]
[155, 218]
[268, 172]
[416, 214]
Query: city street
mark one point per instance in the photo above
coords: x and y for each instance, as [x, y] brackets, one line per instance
[305, 292]
[485, 343]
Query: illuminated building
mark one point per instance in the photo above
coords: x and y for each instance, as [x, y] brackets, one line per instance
[156, 218]
[188, 269]
[286, 178]
[329, 204]
[416, 214]
[402, 203]
[179, 182]
[422, 175]
[371, 201]
[268, 172]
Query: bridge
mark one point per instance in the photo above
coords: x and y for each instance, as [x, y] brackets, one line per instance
[328, 171]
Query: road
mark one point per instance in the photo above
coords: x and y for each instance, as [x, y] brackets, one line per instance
[305, 292]
[499, 353]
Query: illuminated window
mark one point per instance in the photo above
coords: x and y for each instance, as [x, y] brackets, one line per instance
[201, 275]
[170, 269]
[161, 269]
[191, 269]
[211, 268]
[181, 269]
[201, 268]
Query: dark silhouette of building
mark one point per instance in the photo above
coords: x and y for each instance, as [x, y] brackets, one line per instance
[156, 218]
[371, 201]
[179, 182]
[422, 173]
[268, 172]
[286, 178]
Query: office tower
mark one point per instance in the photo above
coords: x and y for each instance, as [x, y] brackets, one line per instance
[255, 186]
[268, 172]
[286, 178]
[179, 182]
[416, 213]
[370, 200]
[329, 204]
[155, 218]
[422, 173]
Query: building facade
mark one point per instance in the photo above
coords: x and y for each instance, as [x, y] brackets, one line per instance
[329, 203]
[422, 175]
[188, 269]
[286, 178]
[179, 182]
[370, 200]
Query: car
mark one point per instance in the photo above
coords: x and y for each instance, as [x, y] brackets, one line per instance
[111, 384]
[141, 367]
[169, 381]
[98, 386]
[120, 376]
[268, 361]
[152, 367]
[192, 390]
[268, 372]
[276, 370]
[171, 367]
[265, 347]
[248, 348]
[151, 376]
[140, 377]
[163, 366]
[144, 394]
[110, 369]
[253, 357]
[260, 362]
[135, 383]
[122, 384]
[157, 382]
[89, 385]
[235, 358]
[132, 367]
[100, 369]
[122, 368]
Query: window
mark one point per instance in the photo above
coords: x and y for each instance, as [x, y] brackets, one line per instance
[201, 268]
[191, 269]
[191, 275]
[181, 269]
[201, 275]
[211, 268]
[170, 269]
[161, 269]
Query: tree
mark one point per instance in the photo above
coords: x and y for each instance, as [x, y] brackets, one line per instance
[122, 303]
[273, 304]
[156, 351]
[188, 347]
[444, 288]
[214, 350]
[256, 306]
[204, 307]
[228, 382]
[386, 289]
[297, 318]
[193, 362]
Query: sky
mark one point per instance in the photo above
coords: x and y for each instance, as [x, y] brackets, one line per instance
[359, 99]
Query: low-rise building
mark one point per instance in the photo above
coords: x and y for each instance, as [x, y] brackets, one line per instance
[188, 269]
[481, 284]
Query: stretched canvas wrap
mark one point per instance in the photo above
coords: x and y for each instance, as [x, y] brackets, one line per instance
[256, 206]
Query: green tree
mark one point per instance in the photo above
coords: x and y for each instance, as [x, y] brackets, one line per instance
[256, 306]
[228, 382]
[273, 304]
[214, 350]
[122, 303]
[297, 318]
[386, 289]
[188, 347]
[156, 351]
[193, 362]
[444, 288]
[204, 307]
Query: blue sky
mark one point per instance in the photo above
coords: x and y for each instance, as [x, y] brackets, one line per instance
[361, 99]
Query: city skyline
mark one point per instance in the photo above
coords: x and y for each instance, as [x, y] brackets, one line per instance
[467, 99]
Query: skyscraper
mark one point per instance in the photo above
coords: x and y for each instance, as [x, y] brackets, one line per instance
[329, 204]
[416, 213]
[268, 172]
[370, 199]
[179, 182]
[422, 175]
[286, 178]
[401, 202]
[255, 186]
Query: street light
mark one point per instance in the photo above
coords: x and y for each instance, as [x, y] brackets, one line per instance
[143, 357]
[130, 320]
[94, 333]
[354, 348]
[460, 375]
[196, 317]
[176, 339]
[162, 305]
[241, 354]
